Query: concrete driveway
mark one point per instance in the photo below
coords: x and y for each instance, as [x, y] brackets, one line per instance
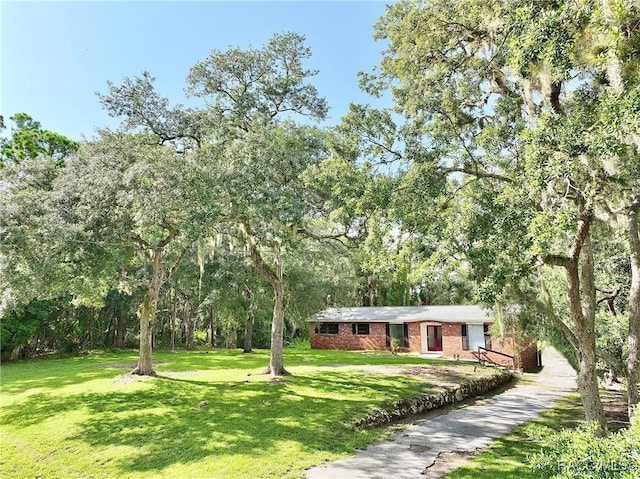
[459, 432]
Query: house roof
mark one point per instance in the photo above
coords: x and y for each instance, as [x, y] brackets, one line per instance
[467, 313]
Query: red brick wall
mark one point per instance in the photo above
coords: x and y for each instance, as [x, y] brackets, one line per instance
[415, 345]
[452, 345]
[529, 358]
[345, 339]
[528, 355]
[504, 345]
[452, 341]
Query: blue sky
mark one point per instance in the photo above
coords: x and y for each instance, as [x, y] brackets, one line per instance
[55, 55]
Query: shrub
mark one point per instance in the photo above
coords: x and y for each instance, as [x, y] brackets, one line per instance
[580, 454]
[299, 343]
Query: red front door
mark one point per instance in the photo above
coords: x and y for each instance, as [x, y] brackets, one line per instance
[434, 336]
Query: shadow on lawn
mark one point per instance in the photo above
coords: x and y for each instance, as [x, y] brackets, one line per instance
[211, 360]
[50, 374]
[259, 359]
[163, 419]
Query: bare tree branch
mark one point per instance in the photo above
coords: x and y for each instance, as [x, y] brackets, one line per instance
[609, 299]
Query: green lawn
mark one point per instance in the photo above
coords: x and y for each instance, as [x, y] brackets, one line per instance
[84, 417]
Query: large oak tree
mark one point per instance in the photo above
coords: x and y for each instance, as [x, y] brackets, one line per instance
[244, 131]
[121, 213]
[530, 109]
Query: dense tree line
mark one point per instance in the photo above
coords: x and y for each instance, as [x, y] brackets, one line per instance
[506, 172]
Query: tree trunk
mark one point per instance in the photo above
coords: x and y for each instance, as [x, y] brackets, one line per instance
[583, 311]
[230, 339]
[149, 305]
[121, 329]
[588, 381]
[276, 363]
[248, 332]
[248, 325]
[275, 277]
[189, 323]
[212, 325]
[147, 314]
[110, 333]
[581, 299]
[172, 321]
[633, 362]
[369, 298]
[147, 309]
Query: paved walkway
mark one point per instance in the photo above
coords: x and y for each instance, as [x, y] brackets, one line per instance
[410, 451]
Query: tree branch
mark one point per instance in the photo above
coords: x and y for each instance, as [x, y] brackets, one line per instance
[132, 281]
[556, 260]
[612, 295]
[142, 244]
[478, 173]
[173, 232]
[177, 262]
[584, 224]
[554, 98]
[547, 311]
[248, 239]
[335, 237]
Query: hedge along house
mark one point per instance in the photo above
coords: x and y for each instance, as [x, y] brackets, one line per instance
[461, 331]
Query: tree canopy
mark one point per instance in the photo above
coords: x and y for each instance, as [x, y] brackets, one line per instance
[29, 140]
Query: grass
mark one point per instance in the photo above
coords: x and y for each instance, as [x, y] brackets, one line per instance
[86, 418]
[508, 457]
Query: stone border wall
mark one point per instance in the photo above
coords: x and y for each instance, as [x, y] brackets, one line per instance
[421, 403]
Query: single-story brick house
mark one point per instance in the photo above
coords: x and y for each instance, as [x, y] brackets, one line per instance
[460, 331]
